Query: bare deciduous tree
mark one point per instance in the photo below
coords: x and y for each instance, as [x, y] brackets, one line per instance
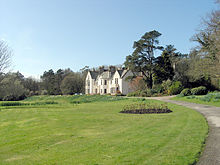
[5, 56]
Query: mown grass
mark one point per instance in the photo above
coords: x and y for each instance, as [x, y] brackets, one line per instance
[96, 133]
[209, 99]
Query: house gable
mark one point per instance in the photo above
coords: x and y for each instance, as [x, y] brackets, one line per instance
[88, 76]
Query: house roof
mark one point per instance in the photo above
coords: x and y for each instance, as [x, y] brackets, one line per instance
[120, 72]
[94, 74]
[108, 74]
[124, 73]
[105, 75]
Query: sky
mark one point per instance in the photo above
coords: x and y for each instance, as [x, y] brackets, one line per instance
[54, 34]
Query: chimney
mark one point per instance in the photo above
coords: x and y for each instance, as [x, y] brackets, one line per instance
[112, 69]
[101, 69]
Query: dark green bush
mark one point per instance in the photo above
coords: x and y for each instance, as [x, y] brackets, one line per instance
[166, 85]
[199, 90]
[143, 93]
[136, 93]
[75, 102]
[175, 88]
[158, 88]
[186, 92]
[146, 93]
[12, 103]
[44, 103]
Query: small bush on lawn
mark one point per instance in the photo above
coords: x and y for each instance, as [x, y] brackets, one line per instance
[199, 90]
[175, 88]
[186, 92]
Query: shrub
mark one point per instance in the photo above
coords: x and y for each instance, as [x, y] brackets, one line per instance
[199, 90]
[175, 88]
[143, 93]
[12, 103]
[180, 95]
[217, 96]
[186, 92]
[158, 88]
[43, 92]
[206, 98]
[136, 93]
[191, 97]
[44, 103]
[166, 85]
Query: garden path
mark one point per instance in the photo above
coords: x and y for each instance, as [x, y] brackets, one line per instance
[211, 154]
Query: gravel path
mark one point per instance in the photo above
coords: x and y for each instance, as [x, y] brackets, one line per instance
[211, 154]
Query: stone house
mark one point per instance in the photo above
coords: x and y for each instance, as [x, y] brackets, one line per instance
[108, 81]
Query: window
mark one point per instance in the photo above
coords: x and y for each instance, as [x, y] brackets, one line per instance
[105, 90]
[101, 82]
[105, 82]
[87, 91]
[116, 80]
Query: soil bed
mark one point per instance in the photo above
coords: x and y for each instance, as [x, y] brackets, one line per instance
[144, 111]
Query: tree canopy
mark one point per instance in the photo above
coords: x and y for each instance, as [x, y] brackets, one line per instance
[5, 56]
[142, 58]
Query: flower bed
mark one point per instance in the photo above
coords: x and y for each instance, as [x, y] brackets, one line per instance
[145, 108]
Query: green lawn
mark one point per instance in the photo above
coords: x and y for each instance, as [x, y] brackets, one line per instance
[93, 132]
[212, 99]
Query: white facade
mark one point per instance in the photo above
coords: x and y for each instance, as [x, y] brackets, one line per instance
[108, 82]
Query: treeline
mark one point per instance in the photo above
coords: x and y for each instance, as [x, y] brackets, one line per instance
[14, 86]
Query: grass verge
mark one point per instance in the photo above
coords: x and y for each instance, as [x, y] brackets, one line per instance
[212, 99]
